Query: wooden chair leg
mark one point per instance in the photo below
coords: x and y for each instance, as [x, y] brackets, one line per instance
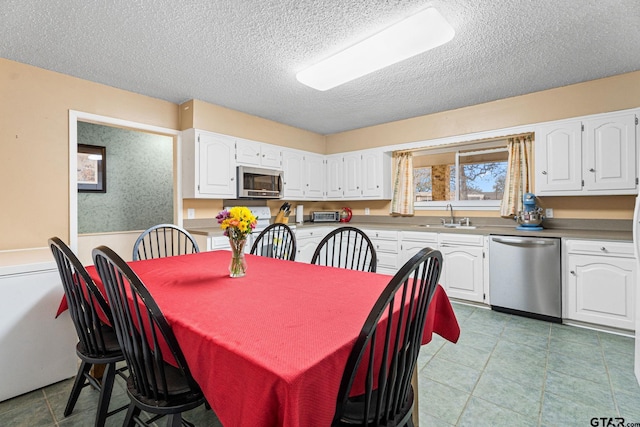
[132, 413]
[105, 394]
[78, 384]
[174, 420]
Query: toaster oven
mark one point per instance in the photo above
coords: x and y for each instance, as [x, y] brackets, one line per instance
[325, 216]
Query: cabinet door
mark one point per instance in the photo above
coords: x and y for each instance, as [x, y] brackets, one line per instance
[248, 152]
[314, 168]
[462, 272]
[558, 158]
[335, 177]
[352, 175]
[372, 174]
[412, 242]
[610, 153]
[307, 241]
[601, 290]
[270, 156]
[294, 175]
[217, 177]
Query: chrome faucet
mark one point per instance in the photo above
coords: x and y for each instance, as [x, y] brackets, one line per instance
[450, 207]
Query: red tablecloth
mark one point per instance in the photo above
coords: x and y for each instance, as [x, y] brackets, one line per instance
[269, 349]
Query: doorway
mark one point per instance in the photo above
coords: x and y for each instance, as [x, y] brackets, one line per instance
[119, 241]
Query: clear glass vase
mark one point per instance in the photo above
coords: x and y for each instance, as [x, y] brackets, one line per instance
[238, 265]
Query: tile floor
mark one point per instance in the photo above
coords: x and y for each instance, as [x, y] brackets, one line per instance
[505, 370]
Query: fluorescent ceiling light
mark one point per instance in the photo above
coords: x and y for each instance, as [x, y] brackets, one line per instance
[415, 34]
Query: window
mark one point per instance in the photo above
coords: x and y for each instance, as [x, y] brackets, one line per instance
[470, 175]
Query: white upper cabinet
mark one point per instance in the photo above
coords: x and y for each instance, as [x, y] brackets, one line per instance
[558, 157]
[610, 153]
[253, 153]
[304, 175]
[352, 175]
[590, 156]
[376, 175]
[314, 166]
[359, 175]
[294, 174]
[208, 165]
[334, 179]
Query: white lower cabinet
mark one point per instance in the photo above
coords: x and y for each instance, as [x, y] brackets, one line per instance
[413, 241]
[600, 283]
[307, 241]
[385, 243]
[463, 265]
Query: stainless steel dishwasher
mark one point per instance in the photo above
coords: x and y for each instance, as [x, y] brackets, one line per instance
[525, 277]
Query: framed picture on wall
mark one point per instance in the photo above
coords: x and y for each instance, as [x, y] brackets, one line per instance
[92, 169]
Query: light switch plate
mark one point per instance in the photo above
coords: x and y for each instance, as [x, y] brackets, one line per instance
[367, 211]
[191, 213]
[548, 213]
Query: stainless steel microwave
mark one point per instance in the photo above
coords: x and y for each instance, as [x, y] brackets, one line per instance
[258, 183]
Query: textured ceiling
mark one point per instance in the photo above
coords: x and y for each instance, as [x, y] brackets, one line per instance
[244, 54]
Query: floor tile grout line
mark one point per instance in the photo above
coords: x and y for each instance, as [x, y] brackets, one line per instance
[50, 408]
[466, 404]
[606, 367]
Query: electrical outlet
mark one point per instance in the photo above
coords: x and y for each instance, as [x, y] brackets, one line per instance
[367, 211]
[548, 213]
[191, 213]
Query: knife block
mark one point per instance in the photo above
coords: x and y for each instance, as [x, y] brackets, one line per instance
[281, 219]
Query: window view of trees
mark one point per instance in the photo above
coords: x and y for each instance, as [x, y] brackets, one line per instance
[482, 181]
[475, 175]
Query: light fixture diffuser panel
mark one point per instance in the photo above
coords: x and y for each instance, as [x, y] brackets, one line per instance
[409, 37]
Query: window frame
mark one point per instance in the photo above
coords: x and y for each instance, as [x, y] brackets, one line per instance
[476, 205]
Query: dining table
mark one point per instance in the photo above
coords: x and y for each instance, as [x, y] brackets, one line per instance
[270, 348]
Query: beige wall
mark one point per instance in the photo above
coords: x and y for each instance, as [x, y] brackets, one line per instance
[596, 96]
[34, 145]
[34, 138]
[205, 116]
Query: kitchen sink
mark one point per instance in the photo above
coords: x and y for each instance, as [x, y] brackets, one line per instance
[452, 226]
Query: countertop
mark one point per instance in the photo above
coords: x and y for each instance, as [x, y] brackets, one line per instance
[587, 233]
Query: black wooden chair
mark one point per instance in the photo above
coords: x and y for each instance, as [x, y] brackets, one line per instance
[346, 247]
[164, 240]
[153, 385]
[276, 241]
[97, 342]
[388, 351]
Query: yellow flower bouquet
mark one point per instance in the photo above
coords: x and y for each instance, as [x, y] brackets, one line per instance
[237, 223]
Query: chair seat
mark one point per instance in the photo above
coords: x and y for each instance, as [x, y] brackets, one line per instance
[354, 409]
[112, 348]
[179, 392]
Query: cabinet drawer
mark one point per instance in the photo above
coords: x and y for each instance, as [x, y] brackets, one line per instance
[420, 236]
[382, 234]
[600, 247]
[311, 232]
[388, 261]
[461, 239]
[388, 246]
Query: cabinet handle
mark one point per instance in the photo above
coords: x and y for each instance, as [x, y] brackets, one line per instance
[603, 249]
[572, 272]
[257, 154]
[544, 172]
[232, 179]
[592, 170]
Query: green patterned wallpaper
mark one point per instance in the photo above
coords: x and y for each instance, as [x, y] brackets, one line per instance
[139, 181]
